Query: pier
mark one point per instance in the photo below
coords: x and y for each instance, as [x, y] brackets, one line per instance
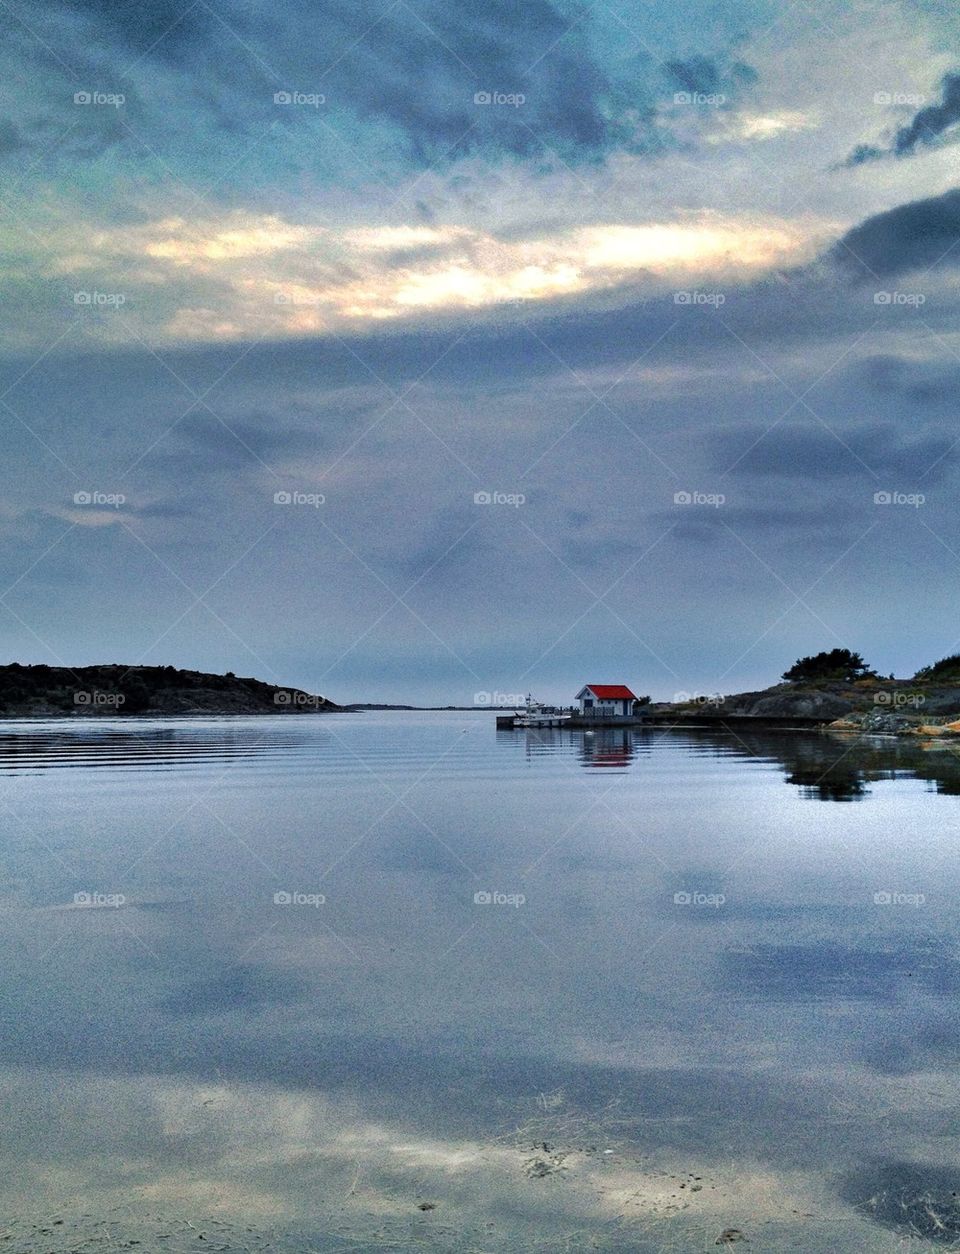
[668, 718]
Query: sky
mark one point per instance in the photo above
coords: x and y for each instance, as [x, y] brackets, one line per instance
[440, 352]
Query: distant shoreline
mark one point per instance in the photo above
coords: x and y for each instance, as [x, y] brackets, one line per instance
[427, 709]
[117, 691]
[925, 707]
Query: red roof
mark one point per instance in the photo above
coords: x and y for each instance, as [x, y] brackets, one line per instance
[612, 692]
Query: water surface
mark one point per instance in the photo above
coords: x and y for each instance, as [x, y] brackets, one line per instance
[394, 981]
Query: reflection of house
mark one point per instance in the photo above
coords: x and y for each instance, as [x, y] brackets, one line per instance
[607, 747]
[609, 699]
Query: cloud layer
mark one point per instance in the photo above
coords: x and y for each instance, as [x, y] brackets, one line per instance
[399, 258]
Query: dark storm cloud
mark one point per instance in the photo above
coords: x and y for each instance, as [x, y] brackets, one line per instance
[925, 128]
[412, 71]
[862, 154]
[930, 123]
[398, 72]
[921, 234]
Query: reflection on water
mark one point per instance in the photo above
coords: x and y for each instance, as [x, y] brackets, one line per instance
[836, 768]
[823, 767]
[143, 745]
[608, 747]
[392, 981]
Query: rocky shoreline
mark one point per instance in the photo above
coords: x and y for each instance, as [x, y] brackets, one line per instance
[143, 691]
[879, 723]
[892, 707]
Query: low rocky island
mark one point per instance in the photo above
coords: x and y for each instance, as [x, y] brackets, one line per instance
[839, 692]
[54, 691]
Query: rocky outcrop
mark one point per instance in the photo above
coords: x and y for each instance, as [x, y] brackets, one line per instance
[872, 705]
[785, 701]
[790, 703]
[115, 690]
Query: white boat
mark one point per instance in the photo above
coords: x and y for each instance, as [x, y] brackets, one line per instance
[535, 714]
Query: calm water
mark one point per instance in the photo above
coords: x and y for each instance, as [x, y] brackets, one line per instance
[708, 983]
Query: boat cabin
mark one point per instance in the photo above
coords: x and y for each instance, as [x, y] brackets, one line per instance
[606, 699]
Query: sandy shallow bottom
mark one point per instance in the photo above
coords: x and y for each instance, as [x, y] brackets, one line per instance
[317, 1180]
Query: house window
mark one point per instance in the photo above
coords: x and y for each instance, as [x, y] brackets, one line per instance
[587, 703]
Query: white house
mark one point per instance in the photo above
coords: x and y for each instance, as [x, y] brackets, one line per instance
[606, 699]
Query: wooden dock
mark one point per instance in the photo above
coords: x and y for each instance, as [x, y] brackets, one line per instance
[668, 719]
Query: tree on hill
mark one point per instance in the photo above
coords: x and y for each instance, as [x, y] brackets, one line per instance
[837, 664]
[948, 668]
[136, 698]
